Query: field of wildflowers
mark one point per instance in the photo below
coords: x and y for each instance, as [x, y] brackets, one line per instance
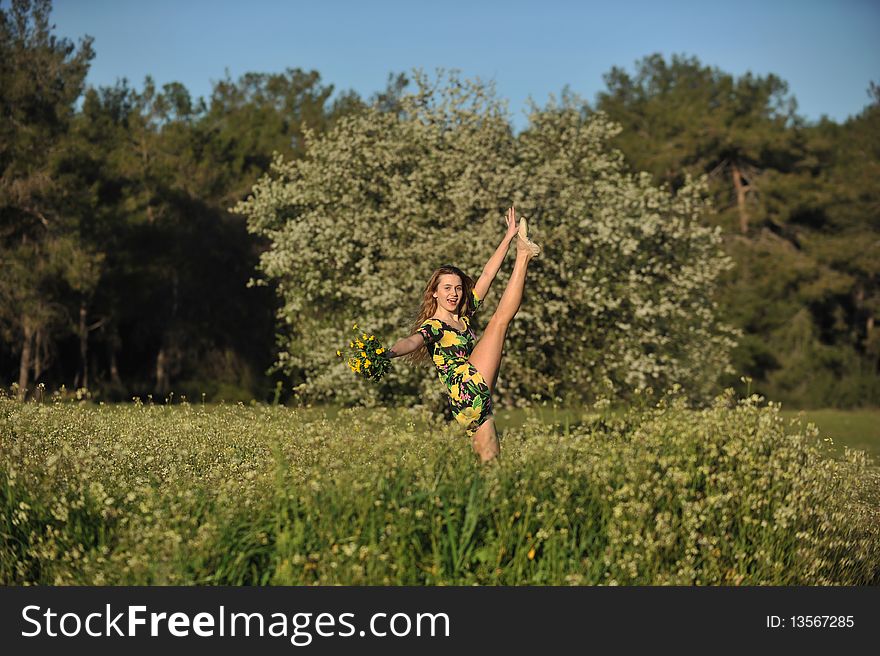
[733, 494]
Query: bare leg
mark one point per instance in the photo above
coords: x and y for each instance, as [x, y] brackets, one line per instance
[486, 356]
[485, 441]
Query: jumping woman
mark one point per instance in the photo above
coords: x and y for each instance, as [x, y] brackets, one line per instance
[443, 326]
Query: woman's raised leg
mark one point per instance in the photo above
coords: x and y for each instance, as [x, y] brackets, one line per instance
[486, 356]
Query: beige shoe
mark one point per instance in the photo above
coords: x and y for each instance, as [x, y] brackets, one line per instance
[524, 241]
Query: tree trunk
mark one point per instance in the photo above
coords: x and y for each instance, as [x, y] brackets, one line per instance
[869, 319]
[25, 364]
[83, 345]
[38, 355]
[161, 371]
[741, 190]
[114, 368]
[39, 363]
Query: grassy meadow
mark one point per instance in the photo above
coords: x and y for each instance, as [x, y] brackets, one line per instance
[740, 493]
[853, 429]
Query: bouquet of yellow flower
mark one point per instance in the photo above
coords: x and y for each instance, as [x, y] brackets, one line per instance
[366, 356]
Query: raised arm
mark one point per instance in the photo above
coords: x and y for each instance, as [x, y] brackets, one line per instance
[406, 345]
[491, 269]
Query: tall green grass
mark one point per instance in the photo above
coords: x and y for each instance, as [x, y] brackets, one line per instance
[255, 495]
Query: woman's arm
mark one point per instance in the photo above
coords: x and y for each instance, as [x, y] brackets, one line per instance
[406, 345]
[494, 263]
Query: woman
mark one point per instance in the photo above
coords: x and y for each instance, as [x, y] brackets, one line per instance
[443, 328]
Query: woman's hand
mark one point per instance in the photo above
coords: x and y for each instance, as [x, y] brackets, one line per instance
[511, 224]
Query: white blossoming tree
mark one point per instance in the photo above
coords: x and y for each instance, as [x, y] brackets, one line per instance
[623, 291]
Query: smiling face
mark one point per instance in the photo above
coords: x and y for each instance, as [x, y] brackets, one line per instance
[448, 292]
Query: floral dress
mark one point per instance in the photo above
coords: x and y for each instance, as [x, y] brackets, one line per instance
[469, 396]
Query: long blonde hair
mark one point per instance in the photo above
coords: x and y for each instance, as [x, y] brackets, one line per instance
[429, 305]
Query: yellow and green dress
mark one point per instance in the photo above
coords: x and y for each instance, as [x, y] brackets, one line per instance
[469, 396]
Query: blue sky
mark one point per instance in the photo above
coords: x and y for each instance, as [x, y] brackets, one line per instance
[826, 50]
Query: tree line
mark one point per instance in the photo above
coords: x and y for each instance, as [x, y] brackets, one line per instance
[622, 296]
[123, 269]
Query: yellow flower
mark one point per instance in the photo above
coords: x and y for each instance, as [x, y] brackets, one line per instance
[360, 344]
[438, 360]
[372, 338]
[454, 393]
[449, 338]
[354, 327]
[467, 416]
[433, 323]
[338, 354]
[380, 350]
[351, 344]
[366, 363]
[532, 553]
[462, 368]
[477, 378]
